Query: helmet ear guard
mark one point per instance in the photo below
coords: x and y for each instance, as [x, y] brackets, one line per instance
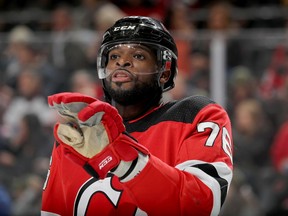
[164, 77]
[167, 65]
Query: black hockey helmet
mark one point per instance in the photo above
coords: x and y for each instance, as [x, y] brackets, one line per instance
[144, 31]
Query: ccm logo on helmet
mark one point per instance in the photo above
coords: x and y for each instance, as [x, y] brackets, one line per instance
[121, 28]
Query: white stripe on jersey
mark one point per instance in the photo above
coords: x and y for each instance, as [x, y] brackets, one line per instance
[223, 171]
[44, 213]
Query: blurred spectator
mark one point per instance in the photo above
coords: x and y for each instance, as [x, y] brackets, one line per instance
[219, 16]
[199, 78]
[279, 150]
[106, 14]
[155, 9]
[5, 202]
[24, 162]
[29, 195]
[242, 85]
[6, 95]
[84, 82]
[277, 106]
[252, 135]
[252, 139]
[277, 201]
[84, 13]
[28, 100]
[67, 46]
[276, 75]
[178, 23]
[241, 199]
[24, 51]
[31, 144]
[220, 23]
[279, 182]
[179, 91]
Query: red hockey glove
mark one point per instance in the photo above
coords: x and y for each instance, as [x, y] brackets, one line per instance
[68, 104]
[97, 139]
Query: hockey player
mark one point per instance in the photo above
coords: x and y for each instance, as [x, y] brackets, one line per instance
[134, 154]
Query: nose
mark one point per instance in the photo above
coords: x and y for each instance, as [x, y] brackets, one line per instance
[124, 62]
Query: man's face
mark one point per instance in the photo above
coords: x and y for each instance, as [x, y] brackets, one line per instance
[132, 74]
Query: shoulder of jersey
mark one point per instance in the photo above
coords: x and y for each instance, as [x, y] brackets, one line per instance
[178, 111]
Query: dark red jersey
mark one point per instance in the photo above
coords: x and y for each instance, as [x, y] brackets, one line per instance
[188, 173]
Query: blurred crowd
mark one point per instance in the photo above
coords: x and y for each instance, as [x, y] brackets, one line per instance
[57, 51]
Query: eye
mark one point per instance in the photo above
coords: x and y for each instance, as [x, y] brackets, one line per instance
[113, 56]
[139, 56]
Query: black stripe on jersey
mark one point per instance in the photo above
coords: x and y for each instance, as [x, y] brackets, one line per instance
[210, 170]
[179, 111]
[131, 168]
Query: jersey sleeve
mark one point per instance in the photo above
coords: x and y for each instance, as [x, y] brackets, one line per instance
[199, 182]
[52, 195]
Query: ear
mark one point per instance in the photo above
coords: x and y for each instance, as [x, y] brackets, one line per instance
[165, 76]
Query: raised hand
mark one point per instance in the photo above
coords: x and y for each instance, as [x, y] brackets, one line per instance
[94, 136]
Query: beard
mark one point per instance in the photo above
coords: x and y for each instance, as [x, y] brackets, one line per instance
[148, 91]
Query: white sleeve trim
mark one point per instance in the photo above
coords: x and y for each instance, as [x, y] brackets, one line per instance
[223, 171]
[141, 163]
[44, 213]
[124, 166]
